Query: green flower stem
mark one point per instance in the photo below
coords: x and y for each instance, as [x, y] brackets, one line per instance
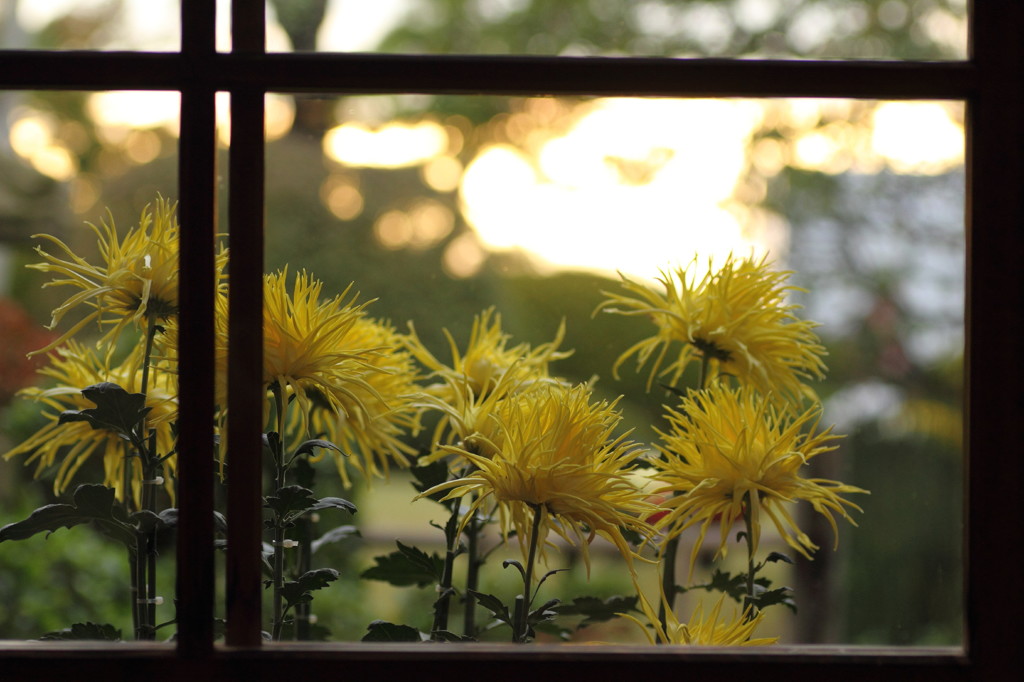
[133, 589]
[522, 629]
[443, 604]
[748, 523]
[143, 562]
[141, 607]
[668, 576]
[279, 535]
[472, 575]
[304, 536]
[668, 582]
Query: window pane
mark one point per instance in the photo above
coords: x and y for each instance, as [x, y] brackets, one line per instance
[823, 29]
[435, 209]
[144, 25]
[71, 159]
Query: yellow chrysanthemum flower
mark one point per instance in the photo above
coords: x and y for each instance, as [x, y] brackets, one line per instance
[471, 388]
[305, 353]
[736, 319]
[487, 357]
[74, 367]
[138, 278]
[727, 449]
[370, 427]
[703, 630]
[555, 454]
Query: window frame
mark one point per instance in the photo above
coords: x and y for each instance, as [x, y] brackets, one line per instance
[989, 82]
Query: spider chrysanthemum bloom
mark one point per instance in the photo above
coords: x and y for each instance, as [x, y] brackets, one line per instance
[488, 356]
[373, 420]
[735, 320]
[305, 353]
[136, 282]
[477, 380]
[703, 629]
[555, 454]
[730, 452]
[72, 368]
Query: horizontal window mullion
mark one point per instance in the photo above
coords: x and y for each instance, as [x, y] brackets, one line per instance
[507, 75]
[524, 75]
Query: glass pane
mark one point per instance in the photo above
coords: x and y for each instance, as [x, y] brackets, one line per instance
[434, 210]
[144, 25]
[89, 242]
[786, 29]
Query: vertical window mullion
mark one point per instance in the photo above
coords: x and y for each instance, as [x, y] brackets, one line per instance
[245, 333]
[197, 211]
[995, 373]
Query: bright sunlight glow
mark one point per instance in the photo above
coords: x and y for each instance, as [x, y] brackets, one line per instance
[634, 185]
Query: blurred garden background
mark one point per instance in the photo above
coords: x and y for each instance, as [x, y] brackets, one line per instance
[441, 206]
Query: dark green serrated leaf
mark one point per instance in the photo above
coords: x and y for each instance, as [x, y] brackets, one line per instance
[407, 566]
[781, 595]
[430, 475]
[116, 409]
[777, 556]
[552, 628]
[300, 591]
[494, 605]
[291, 498]
[90, 502]
[543, 613]
[333, 503]
[446, 636]
[86, 631]
[382, 631]
[309, 447]
[597, 610]
[292, 501]
[147, 521]
[733, 585]
[334, 535]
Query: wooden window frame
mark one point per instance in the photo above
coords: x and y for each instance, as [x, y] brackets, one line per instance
[989, 82]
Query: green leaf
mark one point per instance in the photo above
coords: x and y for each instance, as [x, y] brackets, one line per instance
[309, 446]
[733, 585]
[548, 575]
[334, 535]
[494, 605]
[147, 521]
[430, 475]
[299, 591]
[87, 630]
[597, 610]
[333, 503]
[116, 409]
[543, 613]
[90, 502]
[382, 631]
[291, 498]
[407, 566]
[777, 556]
[446, 636]
[519, 566]
[292, 501]
[782, 595]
